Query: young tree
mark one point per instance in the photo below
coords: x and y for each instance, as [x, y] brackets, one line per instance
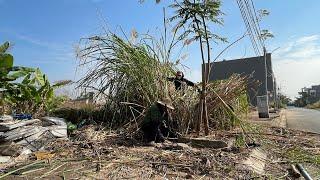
[193, 18]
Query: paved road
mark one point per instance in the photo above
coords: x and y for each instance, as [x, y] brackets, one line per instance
[303, 119]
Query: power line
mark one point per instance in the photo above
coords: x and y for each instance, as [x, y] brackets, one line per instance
[247, 26]
[257, 20]
[245, 13]
[253, 24]
[254, 18]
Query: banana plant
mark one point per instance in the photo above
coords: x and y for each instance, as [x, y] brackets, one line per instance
[24, 88]
[6, 61]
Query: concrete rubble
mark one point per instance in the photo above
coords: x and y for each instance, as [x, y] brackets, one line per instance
[22, 137]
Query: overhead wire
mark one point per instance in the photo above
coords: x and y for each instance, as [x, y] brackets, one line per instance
[246, 25]
[249, 28]
[255, 23]
[244, 13]
[250, 18]
[257, 20]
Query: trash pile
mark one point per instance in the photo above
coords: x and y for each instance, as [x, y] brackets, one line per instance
[18, 137]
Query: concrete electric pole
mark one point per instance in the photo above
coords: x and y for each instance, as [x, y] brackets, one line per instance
[263, 100]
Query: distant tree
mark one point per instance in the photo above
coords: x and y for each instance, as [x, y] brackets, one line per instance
[302, 100]
[284, 100]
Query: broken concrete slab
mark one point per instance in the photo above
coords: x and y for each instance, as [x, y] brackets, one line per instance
[9, 149]
[24, 136]
[49, 121]
[59, 131]
[57, 126]
[256, 161]
[5, 159]
[19, 133]
[5, 118]
[7, 127]
[34, 137]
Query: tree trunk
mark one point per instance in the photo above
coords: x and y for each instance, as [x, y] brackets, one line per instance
[203, 103]
[205, 118]
[207, 72]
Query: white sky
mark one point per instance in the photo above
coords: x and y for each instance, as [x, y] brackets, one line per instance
[297, 64]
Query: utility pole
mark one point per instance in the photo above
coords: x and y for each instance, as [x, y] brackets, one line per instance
[266, 80]
[265, 69]
[275, 93]
[263, 100]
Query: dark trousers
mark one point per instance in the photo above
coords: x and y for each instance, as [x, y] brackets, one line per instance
[155, 131]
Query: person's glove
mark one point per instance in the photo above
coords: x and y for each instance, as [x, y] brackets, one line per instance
[164, 124]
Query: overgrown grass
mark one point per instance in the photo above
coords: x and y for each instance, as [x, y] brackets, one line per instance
[297, 154]
[129, 77]
[314, 105]
[132, 76]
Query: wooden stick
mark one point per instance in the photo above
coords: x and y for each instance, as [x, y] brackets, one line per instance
[29, 165]
[171, 164]
[49, 172]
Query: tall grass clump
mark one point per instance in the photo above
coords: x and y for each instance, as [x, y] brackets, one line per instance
[315, 105]
[132, 76]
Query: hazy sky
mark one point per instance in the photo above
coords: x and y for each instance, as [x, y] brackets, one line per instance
[44, 33]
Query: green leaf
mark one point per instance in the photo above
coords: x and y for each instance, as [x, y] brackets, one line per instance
[6, 60]
[71, 127]
[26, 80]
[18, 74]
[50, 93]
[61, 83]
[21, 68]
[39, 77]
[4, 47]
[26, 91]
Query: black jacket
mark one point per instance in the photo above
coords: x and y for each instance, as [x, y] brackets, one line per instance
[178, 82]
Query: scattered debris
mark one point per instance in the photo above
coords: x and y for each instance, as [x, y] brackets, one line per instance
[9, 149]
[4, 118]
[24, 136]
[293, 171]
[256, 161]
[201, 142]
[5, 159]
[43, 155]
[94, 153]
[22, 116]
[303, 172]
[7, 126]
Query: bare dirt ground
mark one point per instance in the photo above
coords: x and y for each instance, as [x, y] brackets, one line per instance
[92, 153]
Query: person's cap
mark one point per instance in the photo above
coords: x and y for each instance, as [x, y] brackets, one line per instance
[167, 103]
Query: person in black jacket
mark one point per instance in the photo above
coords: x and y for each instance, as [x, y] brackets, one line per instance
[154, 125]
[179, 80]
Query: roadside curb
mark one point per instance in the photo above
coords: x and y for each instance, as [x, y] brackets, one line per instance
[280, 121]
